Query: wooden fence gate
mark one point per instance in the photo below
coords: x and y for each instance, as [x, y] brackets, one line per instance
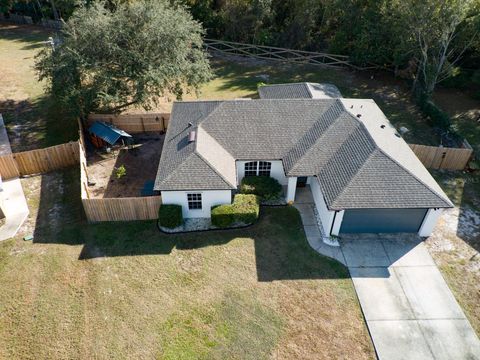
[440, 157]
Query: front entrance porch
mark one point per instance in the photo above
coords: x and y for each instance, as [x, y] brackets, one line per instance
[295, 183]
[314, 233]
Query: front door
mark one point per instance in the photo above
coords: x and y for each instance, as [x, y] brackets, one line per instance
[301, 181]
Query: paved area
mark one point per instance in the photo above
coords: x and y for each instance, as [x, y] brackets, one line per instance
[12, 198]
[409, 309]
[304, 204]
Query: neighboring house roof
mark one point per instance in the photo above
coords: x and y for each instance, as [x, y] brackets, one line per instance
[299, 91]
[107, 132]
[359, 163]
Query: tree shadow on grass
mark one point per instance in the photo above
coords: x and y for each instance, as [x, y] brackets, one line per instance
[281, 249]
[37, 123]
[30, 35]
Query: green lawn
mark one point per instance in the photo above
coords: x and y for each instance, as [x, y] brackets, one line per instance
[32, 119]
[127, 291]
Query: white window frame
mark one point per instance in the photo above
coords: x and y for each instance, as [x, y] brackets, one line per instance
[257, 168]
[193, 199]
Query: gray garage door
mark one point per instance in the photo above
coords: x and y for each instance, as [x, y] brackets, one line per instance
[382, 220]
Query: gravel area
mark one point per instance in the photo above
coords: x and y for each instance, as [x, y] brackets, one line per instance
[198, 224]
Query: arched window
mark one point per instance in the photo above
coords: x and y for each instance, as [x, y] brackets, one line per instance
[251, 168]
[264, 168]
[258, 168]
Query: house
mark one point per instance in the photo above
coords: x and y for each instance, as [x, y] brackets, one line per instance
[363, 176]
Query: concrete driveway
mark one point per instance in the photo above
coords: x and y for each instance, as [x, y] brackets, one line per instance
[410, 311]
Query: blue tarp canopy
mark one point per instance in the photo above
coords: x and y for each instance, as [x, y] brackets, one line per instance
[107, 132]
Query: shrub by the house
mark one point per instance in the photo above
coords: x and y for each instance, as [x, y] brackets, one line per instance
[244, 210]
[266, 187]
[170, 216]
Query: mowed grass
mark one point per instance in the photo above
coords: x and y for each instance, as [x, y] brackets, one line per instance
[125, 290]
[32, 119]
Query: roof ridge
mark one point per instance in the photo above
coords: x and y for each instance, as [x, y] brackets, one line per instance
[213, 168]
[334, 104]
[213, 137]
[175, 168]
[356, 174]
[364, 127]
[307, 85]
[415, 177]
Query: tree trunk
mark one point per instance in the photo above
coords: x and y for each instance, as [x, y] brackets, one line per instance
[54, 10]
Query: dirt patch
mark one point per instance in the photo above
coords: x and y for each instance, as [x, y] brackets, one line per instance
[140, 162]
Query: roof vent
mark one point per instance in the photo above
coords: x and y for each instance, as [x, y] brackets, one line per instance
[359, 116]
[192, 135]
[382, 126]
[189, 124]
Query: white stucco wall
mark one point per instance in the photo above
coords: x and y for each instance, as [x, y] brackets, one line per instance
[209, 198]
[429, 222]
[326, 216]
[337, 222]
[291, 190]
[276, 171]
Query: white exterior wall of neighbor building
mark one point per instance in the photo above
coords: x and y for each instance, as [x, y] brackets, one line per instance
[429, 222]
[326, 216]
[209, 198]
[276, 170]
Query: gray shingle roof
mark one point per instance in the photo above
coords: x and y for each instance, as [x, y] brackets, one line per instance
[285, 91]
[181, 167]
[302, 90]
[359, 163]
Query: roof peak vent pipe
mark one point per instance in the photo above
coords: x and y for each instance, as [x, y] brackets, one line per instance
[192, 135]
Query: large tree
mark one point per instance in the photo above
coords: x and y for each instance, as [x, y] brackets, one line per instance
[442, 31]
[107, 60]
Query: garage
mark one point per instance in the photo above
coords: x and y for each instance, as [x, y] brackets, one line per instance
[382, 220]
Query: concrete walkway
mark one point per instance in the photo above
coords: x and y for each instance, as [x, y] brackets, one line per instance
[409, 309]
[13, 202]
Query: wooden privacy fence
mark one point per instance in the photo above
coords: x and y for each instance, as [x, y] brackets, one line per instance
[134, 123]
[279, 54]
[113, 209]
[39, 161]
[434, 157]
[122, 209]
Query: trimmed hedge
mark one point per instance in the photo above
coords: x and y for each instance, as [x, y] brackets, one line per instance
[266, 187]
[170, 216]
[245, 210]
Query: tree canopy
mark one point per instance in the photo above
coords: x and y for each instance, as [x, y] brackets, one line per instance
[108, 59]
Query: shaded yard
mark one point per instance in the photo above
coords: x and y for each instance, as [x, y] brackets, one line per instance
[140, 162]
[32, 119]
[124, 290]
